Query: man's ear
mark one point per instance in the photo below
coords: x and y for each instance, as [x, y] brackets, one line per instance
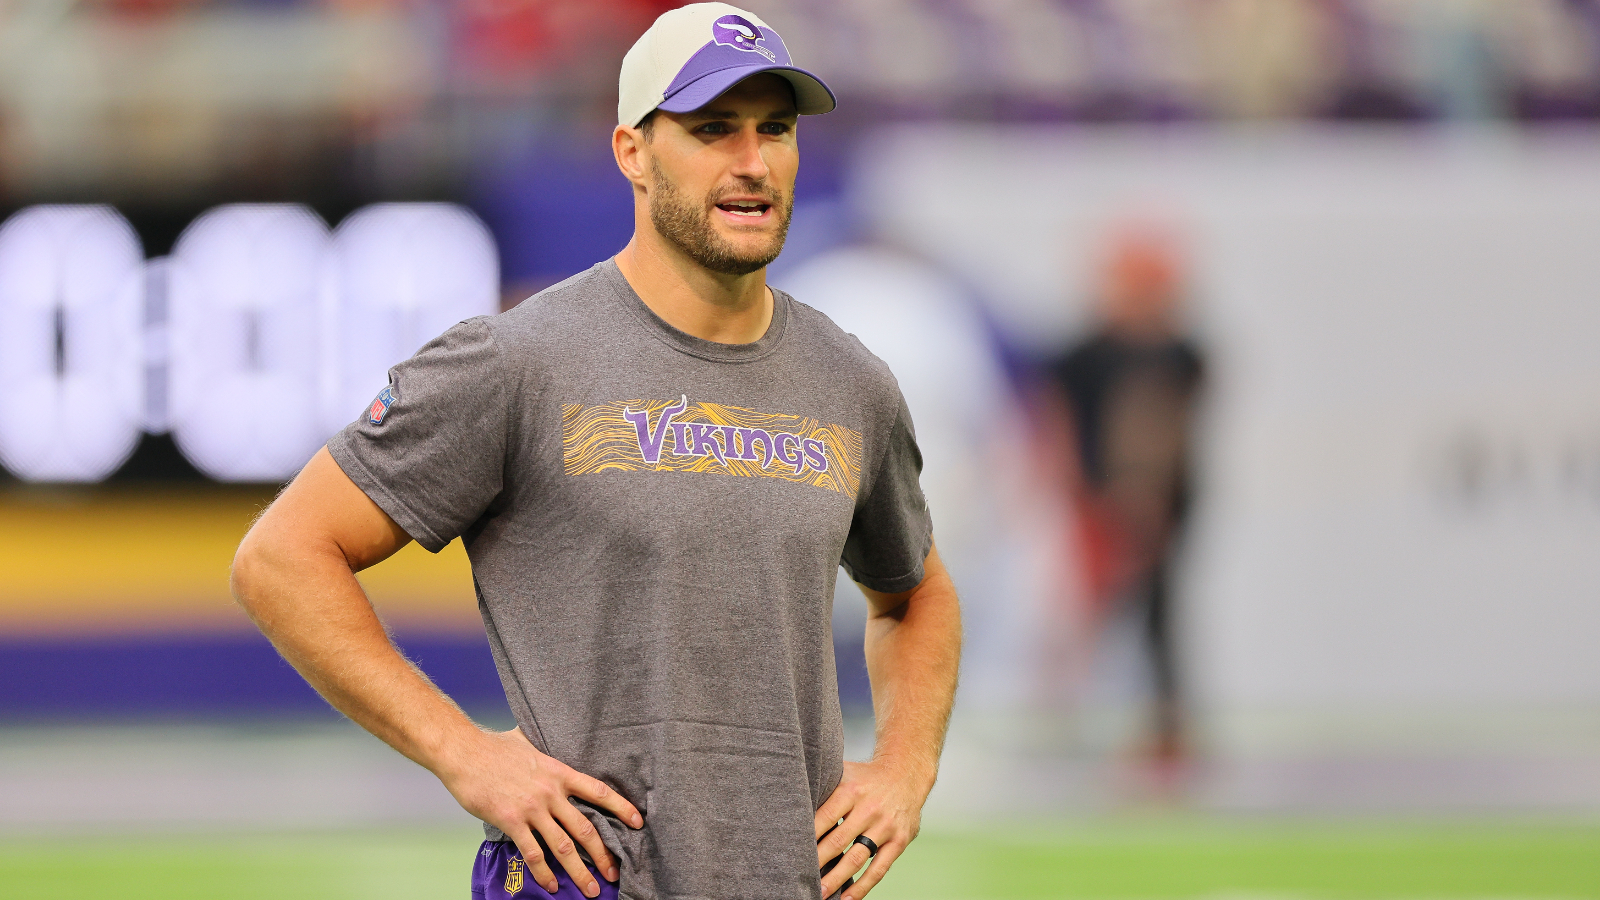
[629, 147]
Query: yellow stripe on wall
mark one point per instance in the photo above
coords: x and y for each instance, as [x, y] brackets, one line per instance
[110, 559]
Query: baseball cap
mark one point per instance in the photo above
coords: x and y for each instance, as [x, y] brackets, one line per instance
[694, 53]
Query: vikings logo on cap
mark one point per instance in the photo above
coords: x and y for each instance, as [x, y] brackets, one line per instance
[740, 34]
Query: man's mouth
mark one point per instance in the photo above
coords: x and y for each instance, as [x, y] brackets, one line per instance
[749, 209]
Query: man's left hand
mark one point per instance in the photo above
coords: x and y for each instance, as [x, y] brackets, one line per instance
[875, 799]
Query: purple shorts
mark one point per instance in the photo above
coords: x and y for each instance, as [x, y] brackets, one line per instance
[500, 873]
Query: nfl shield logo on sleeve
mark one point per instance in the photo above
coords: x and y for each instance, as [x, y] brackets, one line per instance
[380, 406]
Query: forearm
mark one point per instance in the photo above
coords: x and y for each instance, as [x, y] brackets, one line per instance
[913, 653]
[309, 604]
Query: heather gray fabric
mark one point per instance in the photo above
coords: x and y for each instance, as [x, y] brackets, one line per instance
[654, 523]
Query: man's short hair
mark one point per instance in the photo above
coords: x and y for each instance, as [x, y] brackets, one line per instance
[648, 126]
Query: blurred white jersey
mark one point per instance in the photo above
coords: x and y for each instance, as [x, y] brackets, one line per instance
[969, 427]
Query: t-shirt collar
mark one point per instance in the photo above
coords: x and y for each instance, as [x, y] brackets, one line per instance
[688, 343]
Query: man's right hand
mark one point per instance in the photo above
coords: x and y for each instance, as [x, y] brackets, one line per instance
[505, 781]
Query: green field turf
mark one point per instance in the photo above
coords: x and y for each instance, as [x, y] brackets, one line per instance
[1158, 860]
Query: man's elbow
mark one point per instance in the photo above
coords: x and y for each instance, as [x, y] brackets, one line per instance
[263, 562]
[247, 572]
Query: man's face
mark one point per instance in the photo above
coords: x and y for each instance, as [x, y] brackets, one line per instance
[1141, 286]
[722, 177]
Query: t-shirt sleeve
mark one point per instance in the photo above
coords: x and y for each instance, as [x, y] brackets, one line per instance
[431, 449]
[892, 533]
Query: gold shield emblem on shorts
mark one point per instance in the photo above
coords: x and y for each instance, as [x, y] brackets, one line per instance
[514, 869]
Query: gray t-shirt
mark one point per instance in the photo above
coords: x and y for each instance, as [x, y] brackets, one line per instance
[654, 523]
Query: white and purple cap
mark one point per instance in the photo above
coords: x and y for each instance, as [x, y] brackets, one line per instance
[694, 53]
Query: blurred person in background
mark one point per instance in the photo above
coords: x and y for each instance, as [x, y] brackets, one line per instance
[1130, 388]
[656, 591]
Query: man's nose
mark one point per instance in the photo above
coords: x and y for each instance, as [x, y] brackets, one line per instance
[747, 159]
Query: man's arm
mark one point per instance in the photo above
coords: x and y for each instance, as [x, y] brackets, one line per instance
[913, 650]
[294, 574]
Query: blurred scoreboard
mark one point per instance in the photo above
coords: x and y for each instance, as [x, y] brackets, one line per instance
[261, 335]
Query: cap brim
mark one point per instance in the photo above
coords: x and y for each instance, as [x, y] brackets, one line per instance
[811, 96]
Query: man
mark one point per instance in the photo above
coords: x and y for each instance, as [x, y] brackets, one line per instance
[656, 468]
[1131, 387]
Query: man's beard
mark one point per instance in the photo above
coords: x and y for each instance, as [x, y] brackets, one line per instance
[689, 227]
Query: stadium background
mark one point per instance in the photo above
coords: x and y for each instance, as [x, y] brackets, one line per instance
[1390, 597]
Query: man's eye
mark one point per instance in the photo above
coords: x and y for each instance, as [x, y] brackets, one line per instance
[714, 128]
[775, 128]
